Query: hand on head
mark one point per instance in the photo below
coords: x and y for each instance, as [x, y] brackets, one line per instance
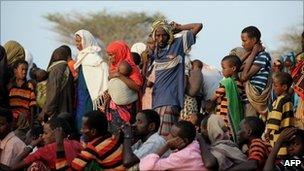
[176, 143]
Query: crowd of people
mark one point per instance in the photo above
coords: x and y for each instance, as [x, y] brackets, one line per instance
[151, 106]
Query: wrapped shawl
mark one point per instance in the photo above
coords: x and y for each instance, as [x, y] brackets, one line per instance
[95, 68]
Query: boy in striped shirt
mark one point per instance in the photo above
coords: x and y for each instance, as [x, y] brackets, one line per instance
[281, 114]
[103, 151]
[256, 70]
[251, 131]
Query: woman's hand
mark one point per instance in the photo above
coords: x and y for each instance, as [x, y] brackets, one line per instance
[114, 75]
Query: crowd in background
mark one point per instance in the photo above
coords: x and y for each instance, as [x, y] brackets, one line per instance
[152, 106]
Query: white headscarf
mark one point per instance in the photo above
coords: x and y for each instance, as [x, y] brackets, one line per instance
[89, 45]
[138, 48]
[29, 59]
[95, 69]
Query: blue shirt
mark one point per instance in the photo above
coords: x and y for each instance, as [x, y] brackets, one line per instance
[168, 89]
[260, 79]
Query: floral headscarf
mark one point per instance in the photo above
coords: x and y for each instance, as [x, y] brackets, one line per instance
[162, 24]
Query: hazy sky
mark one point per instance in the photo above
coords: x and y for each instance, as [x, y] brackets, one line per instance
[223, 22]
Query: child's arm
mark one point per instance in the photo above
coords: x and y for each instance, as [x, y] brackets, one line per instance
[249, 69]
[285, 135]
[209, 160]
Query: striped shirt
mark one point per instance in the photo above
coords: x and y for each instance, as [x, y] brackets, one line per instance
[259, 151]
[21, 99]
[260, 79]
[279, 118]
[222, 107]
[105, 151]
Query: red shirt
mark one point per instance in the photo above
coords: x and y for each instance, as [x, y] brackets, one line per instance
[47, 154]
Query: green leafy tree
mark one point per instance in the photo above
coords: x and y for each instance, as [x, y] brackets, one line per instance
[129, 26]
[290, 41]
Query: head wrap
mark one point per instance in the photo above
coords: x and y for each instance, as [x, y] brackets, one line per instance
[138, 48]
[238, 51]
[14, 51]
[162, 24]
[29, 59]
[122, 52]
[89, 45]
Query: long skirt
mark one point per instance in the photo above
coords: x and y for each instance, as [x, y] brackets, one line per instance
[84, 102]
[190, 107]
[168, 116]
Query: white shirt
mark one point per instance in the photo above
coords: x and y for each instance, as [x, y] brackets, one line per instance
[11, 146]
[153, 144]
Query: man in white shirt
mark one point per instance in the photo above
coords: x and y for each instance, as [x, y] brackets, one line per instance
[147, 125]
[10, 146]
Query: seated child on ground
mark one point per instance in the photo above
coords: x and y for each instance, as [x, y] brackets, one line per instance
[294, 138]
[250, 134]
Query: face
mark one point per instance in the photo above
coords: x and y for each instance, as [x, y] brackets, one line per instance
[150, 44]
[295, 147]
[287, 63]
[161, 37]
[48, 134]
[4, 127]
[78, 42]
[243, 134]
[141, 125]
[111, 57]
[174, 132]
[278, 88]
[247, 42]
[276, 66]
[227, 69]
[20, 71]
[87, 133]
[298, 59]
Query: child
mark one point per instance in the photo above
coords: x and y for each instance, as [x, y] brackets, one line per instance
[41, 77]
[120, 93]
[193, 88]
[230, 95]
[295, 139]
[250, 134]
[281, 114]
[21, 94]
[257, 66]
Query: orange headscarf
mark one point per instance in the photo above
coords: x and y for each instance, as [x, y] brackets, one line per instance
[122, 52]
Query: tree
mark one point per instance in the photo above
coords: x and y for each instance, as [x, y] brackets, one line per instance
[130, 26]
[290, 41]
